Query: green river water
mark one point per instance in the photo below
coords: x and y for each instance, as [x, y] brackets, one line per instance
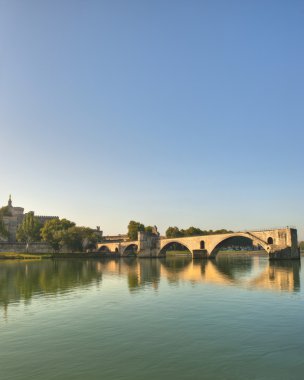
[174, 318]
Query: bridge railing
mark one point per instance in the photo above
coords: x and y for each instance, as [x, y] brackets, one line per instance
[268, 229]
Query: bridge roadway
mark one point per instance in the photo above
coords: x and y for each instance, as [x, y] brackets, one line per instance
[279, 243]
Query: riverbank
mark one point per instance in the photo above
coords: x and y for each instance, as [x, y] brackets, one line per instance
[95, 255]
[41, 256]
[23, 256]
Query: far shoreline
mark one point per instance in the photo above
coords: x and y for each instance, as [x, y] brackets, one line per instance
[97, 255]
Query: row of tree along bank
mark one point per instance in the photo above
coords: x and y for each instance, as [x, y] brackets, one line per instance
[171, 232]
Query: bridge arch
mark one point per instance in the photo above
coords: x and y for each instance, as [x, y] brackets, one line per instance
[130, 250]
[173, 243]
[215, 249]
[104, 249]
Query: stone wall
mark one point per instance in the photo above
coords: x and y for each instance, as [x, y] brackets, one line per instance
[148, 244]
[33, 248]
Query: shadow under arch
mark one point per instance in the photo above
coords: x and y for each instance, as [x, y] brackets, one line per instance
[104, 249]
[130, 250]
[215, 250]
[175, 246]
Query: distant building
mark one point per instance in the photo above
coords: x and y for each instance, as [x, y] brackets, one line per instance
[115, 238]
[13, 218]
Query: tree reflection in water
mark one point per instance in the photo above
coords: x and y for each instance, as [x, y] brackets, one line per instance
[21, 280]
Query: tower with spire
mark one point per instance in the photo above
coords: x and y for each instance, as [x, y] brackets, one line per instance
[13, 217]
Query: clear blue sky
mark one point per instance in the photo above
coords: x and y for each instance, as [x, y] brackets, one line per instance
[167, 112]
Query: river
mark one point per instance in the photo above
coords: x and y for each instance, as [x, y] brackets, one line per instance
[172, 318]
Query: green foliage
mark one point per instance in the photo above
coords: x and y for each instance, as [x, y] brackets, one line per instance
[5, 211]
[53, 230]
[149, 229]
[173, 232]
[3, 230]
[77, 239]
[29, 229]
[134, 228]
[64, 233]
[192, 231]
[72, 238]
[90, 238]
[302, 245]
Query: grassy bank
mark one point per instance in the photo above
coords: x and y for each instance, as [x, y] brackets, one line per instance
[23, 256]
[178, 253]
[40, 256]
[243, 252]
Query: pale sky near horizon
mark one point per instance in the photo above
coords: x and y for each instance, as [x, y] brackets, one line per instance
[171, 113]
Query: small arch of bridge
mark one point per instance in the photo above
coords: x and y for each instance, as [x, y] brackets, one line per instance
[104, 249]
[130, 250]
[162, 251]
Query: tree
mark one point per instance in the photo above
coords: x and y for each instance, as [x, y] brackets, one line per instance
[72, 238]
[192, 231]
[53, 230]
[5, 211]
[3, 230]
[134, 228]
[91, 238]
[149, 229]
[29, 229]
[152, 230]
[173, 232]
[78, 239]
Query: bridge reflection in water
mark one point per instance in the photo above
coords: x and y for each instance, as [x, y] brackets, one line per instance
[20, 281]
[252, 272]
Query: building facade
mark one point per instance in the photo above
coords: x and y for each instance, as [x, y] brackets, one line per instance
[13, 217]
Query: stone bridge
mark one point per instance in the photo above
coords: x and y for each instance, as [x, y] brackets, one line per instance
[279, 243]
